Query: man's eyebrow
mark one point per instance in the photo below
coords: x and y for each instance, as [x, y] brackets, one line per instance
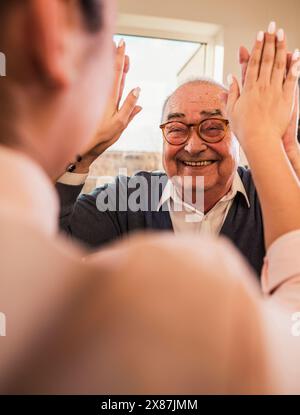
[212, 113]
[175, 115]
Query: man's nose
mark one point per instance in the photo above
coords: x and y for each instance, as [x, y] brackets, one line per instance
[195, 144]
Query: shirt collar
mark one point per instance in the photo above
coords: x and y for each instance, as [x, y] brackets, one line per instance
[170, 194]
[27, 193]
[166, 195]
[237, 187]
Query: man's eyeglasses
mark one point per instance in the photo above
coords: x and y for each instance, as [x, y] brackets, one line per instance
[211, 130]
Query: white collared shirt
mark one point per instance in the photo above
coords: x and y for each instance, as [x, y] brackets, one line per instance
[193, 220]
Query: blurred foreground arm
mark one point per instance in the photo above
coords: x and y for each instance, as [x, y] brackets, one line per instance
[264, 117]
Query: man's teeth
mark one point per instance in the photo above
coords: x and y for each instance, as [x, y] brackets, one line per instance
[198, 163]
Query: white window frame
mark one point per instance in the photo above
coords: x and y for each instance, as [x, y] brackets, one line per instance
[164, 28]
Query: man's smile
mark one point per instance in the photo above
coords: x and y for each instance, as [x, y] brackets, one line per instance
[197, 163]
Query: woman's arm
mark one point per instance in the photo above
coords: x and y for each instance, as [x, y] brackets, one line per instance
[259, 116]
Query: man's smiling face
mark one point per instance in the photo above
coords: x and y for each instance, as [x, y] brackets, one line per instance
[192, 103]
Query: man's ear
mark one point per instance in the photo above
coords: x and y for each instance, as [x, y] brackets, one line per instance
[49, 39]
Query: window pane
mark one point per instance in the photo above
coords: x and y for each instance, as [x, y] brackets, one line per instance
[157, 65]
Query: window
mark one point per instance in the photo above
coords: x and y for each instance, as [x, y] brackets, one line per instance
[163, 53]
[157, 66]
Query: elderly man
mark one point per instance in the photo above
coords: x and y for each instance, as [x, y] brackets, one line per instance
[197, 142]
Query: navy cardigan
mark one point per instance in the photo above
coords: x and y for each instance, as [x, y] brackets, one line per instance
[81, 219]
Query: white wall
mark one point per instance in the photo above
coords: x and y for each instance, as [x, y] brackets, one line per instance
[239, 19]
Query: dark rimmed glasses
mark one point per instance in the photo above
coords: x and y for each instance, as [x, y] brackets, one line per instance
[210, 130]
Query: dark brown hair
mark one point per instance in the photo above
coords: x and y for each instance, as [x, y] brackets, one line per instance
[92, 11]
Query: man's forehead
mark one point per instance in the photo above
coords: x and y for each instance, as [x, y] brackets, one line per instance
[196, 98]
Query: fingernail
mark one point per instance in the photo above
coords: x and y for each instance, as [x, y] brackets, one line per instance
[230, 79]
[121, 43]
[272, 28]
[280, 35]
[136, 92]
[295, 55]
[260, 36]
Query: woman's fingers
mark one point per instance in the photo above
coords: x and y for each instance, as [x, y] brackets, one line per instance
[268, 55]
[280, 62]
[125, 71]
[128, 106]
[119, 68]
[137, 109]
[126, 64]
[252, 72]
[269, 61]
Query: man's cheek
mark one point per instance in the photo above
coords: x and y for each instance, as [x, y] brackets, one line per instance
[169, 157]
[172, 168]
[166, 162]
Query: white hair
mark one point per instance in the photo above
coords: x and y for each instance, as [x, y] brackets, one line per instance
[201, 80]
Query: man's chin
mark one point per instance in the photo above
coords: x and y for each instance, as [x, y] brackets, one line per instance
[195, 181]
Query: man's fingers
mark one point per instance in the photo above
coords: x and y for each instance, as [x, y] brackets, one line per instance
[295, 116]
[297, 101]
[280, 62]
[252, 71]
[288, 61]
[268, 56]
[129, 105]
[224, 98]
[291, 81]
[296, 108]
[244, 57]
[233, 94]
